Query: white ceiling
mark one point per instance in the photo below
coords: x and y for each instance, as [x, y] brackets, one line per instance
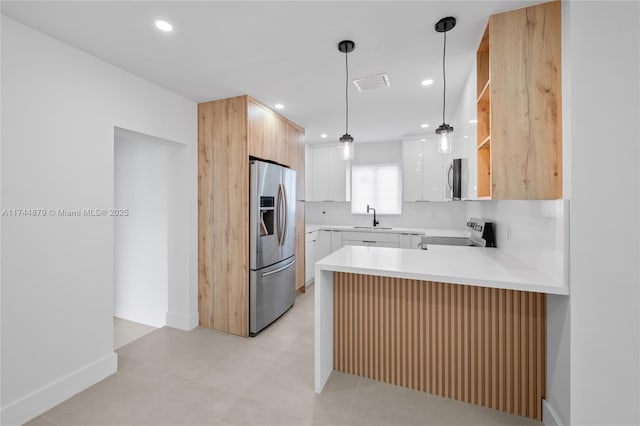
[285, 52]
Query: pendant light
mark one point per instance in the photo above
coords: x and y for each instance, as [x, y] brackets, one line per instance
[444, 130]
[346, 47]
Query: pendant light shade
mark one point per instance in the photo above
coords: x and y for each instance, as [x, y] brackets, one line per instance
[444, 143]
[347, 146]
[346, 47]
[444, 130]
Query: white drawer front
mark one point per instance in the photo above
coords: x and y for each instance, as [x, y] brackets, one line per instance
[311, 236]
[382, 244]
[370, 236]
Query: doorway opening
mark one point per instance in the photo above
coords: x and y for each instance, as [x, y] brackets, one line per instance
[148, 207]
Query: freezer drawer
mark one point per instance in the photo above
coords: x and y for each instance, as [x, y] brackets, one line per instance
[272, 291]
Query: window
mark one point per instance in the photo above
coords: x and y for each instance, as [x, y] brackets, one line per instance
[379, 185]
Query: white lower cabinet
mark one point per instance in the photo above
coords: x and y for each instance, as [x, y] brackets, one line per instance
[311, 246]
[336, 240]
[409, 241]
[371, 239]
[322, 243]
[318, 246]
[415, 240]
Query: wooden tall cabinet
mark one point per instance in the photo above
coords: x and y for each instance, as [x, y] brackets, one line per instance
[229, 132]
[519, 105]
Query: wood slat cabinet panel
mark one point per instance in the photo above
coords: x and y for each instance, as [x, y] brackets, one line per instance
[480, 345]
[520, 105]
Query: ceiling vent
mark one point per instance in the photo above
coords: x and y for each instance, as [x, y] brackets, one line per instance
[371, 83]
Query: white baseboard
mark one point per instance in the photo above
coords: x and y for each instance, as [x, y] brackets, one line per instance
[186, 322]
[43, 399]
[153, 319]
[550, 416]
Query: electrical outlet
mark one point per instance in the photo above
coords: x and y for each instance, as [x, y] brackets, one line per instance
[508, 232]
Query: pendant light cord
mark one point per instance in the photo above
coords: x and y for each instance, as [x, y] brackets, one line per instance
[346, 91]
[444, 76]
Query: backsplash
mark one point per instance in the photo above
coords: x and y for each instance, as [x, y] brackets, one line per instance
[449, 215]
[534, 232]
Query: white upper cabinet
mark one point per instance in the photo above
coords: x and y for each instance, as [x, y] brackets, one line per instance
[328, 174]
[424, 171]
[308, 173]
[412, 170]
[434, 172]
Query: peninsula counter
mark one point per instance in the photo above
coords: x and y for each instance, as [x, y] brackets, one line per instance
[463, 322]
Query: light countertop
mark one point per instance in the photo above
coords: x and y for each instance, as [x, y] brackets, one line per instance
[432, 232]
[475, 266]
[484, 267]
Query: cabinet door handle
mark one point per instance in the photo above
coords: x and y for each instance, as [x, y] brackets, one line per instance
[365, 241]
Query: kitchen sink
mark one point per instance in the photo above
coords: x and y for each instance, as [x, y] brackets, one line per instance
[371, 227]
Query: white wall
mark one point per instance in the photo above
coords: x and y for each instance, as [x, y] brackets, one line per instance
[142, 236]
[535, 232]
[441, 215]
[557, 403]
[378, 153]
[604, 123]
[59, 109]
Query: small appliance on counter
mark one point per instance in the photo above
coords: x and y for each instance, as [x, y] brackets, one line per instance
[272, 244]
[481, 232]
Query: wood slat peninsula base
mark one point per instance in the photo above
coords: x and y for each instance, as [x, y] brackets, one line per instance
[485, 346]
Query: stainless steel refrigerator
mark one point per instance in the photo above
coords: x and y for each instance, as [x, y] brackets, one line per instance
[272, 245]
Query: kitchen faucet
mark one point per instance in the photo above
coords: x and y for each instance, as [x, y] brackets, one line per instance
[375, 222]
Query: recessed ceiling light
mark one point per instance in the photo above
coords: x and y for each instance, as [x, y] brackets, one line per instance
[424, 126]
[466, 137]
[473, 121]
[323, 136]
[279, 106]
[423, 140]
[427, 82]
[164, 25]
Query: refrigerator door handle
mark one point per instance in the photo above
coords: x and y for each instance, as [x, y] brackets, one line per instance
[285, 214]
[275, 271]
[279, 227]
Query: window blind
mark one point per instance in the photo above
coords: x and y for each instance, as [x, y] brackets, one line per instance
[379, 185]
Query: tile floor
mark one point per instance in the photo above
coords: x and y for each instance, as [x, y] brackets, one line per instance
[125, 332]
[203, 377]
